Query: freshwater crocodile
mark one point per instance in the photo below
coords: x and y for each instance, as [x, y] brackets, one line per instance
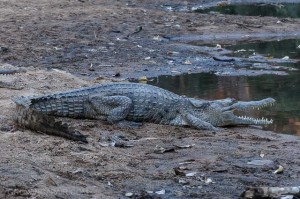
[117, 102]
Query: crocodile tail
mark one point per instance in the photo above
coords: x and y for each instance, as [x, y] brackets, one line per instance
[27, 117]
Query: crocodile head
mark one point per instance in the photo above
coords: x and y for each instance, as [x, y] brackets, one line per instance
[224, 112]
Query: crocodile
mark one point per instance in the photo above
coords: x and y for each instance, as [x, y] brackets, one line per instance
[136, 102]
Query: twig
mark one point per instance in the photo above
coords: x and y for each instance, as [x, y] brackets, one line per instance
[105, 65]
[224, 59]
[247, 26]
[145, 139]
[139, 29]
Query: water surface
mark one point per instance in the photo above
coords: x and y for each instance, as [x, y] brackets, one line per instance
[276, 10]
[285, 89]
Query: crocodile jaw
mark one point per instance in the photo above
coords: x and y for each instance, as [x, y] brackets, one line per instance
[246, 106]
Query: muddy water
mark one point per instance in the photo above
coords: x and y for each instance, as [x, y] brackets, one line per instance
[276, 10]
[285, 89]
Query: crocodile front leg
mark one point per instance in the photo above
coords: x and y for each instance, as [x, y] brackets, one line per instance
[198, 123]
[111, 108]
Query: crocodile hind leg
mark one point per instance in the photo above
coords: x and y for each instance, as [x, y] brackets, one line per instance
[111, 108]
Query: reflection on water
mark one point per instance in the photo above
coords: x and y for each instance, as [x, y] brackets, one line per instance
[276, 10]
[276, 49]
[285, 89]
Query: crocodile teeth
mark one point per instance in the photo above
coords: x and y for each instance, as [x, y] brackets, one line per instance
[262, 121]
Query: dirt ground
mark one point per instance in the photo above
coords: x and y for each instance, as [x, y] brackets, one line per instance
[70, 44]
[102, 38]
